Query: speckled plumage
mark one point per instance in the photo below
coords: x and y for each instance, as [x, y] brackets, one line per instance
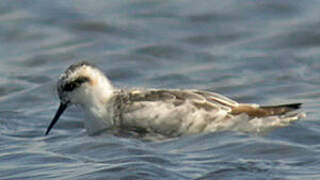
[169, 112]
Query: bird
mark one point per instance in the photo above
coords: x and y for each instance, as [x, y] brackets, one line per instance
[168, 112]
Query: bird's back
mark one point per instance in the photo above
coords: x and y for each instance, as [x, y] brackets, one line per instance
[172, 112]
[177, 112]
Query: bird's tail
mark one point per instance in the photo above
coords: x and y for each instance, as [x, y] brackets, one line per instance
[280, 109]
[265, 111]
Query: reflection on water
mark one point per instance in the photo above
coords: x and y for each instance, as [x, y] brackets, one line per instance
[254, 52]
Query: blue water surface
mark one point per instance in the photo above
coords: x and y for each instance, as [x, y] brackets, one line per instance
[264, 51]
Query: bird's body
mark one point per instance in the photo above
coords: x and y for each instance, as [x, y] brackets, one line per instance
[169, 112]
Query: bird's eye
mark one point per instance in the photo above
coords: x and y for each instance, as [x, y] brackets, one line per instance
[70, 86]
[81, 80]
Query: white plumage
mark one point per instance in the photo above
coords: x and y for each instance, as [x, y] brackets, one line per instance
[157, 111]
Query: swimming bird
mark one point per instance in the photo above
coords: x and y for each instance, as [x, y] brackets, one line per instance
[169, 112]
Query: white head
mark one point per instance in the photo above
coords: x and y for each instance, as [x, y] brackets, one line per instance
[81, 84]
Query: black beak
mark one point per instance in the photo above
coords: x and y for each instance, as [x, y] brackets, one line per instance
[62, 107]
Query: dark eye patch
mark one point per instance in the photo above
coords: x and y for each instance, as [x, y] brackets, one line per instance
[81, 80]
[70, 86]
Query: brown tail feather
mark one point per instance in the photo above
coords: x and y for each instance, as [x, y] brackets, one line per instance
[287, 107]
[264, 111]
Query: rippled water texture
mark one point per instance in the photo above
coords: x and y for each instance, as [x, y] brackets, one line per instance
[264, 51]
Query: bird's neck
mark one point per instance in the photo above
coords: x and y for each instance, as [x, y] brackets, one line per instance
[99, 108]
[99, 115]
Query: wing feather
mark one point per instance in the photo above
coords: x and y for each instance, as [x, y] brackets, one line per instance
[172, 112]
[201, 99]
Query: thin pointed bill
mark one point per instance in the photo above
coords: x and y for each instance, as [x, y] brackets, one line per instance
[62, 107]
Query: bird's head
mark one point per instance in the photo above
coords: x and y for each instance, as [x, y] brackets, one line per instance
[83, 84]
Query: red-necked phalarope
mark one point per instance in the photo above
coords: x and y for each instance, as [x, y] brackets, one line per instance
[162, 111]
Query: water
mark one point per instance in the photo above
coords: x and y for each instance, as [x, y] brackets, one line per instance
[254, 52]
